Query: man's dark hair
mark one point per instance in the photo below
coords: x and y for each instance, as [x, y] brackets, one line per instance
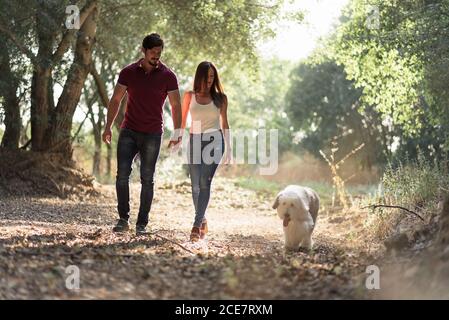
[152, 40]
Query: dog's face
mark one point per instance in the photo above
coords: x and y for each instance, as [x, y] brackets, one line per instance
[289, 207]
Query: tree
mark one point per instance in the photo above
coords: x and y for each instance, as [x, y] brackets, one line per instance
[323, 104]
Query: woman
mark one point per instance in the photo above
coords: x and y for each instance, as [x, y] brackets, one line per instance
[209, 138]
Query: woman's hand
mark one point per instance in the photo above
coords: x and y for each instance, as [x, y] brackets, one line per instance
[227, 157]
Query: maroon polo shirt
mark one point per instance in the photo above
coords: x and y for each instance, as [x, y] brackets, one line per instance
[146, 96]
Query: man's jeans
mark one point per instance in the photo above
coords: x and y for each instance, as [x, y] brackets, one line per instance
[205, 153]
[129, 144]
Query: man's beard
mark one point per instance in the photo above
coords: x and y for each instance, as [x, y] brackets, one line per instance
[154, 64]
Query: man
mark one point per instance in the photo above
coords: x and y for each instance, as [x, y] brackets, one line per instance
[148, 82]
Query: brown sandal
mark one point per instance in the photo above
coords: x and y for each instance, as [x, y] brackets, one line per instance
[204, 229]
[195, 234]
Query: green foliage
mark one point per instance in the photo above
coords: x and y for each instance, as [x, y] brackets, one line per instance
[224, 32]
[396, 60]
[389, 79]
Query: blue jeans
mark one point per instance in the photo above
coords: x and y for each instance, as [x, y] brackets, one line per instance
[148, 146]
[205, 153]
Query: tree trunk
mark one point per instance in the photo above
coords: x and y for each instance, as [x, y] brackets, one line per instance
[101, 87]
[39, 106]
[13, 121]
[97, 125]
[58, 135]
[97, 158]
[109, 161]
[98, 140]
[42, 74]
[8, 89]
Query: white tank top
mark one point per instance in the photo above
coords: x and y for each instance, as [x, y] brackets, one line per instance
[205, 117]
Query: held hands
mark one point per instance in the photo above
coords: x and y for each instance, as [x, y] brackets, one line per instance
[173, 143]
[175, 138]
[107, 135]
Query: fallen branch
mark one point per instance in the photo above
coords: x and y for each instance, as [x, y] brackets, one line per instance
[174, 242]
[375, 206]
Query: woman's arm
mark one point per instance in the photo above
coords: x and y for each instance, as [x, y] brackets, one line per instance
[224, 114]
[185, 107]
[225, 128]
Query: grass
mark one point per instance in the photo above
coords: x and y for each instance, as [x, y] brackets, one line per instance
[260, 186]
[324, 189]
[417, 185]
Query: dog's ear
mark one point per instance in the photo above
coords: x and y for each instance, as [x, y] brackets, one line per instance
[276, 202]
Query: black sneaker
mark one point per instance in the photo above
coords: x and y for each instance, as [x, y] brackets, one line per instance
[141, 230]
[122, 226]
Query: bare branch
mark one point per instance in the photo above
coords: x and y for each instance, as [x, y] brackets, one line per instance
[100, 86]
[350, 154]
[172, 241]
[375, 206]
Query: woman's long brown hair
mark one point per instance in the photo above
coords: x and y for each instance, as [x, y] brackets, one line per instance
[201, 75]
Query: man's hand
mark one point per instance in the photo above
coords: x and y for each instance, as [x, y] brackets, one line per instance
[107, 135]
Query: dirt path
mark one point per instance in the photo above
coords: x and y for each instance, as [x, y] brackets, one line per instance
[245, 259]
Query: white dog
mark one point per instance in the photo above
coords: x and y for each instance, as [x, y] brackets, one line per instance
[298, 208]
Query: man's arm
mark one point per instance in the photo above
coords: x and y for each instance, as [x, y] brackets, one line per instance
[113, 108]
[175, 102]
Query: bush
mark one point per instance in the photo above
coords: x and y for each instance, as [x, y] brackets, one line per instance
[417, 185]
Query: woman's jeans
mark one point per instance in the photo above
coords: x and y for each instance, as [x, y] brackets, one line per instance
[205, 153]
[129, 144]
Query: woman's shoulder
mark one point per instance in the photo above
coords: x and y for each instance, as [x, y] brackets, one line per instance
[224, 98]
